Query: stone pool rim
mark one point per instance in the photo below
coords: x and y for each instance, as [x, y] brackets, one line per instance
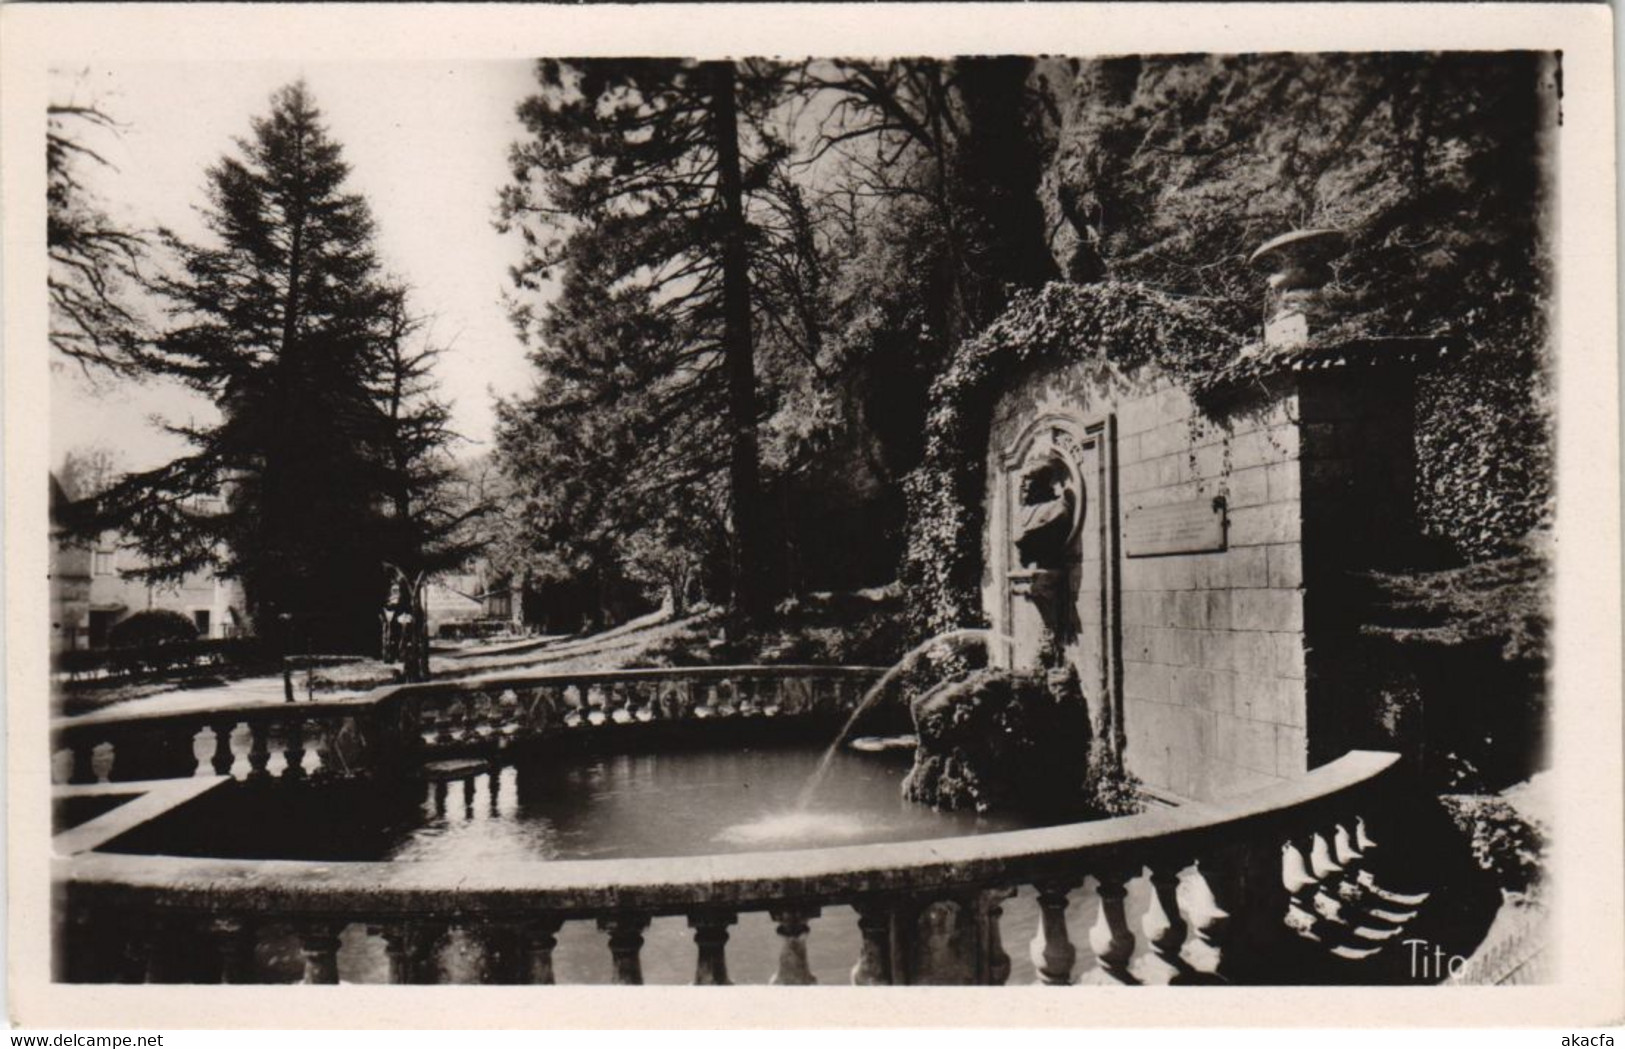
[742, 881]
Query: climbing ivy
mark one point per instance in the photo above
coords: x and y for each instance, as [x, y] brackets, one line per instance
[1118, 327]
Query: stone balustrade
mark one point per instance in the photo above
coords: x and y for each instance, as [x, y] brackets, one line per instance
[292, 741]
[1233, 890]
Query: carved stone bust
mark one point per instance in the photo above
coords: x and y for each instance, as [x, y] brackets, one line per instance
[1045, 517]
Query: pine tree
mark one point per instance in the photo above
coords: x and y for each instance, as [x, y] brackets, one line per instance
[633, 188]
[279, 321]
[429, 509]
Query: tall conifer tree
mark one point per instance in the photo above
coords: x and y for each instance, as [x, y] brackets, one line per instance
[632, 189]
[281, 321]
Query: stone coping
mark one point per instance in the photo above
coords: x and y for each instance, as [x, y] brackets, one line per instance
[148, 800]
[737, 881]
[274, 708]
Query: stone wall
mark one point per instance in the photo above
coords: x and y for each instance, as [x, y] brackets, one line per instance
[1202, 655]
[1213, 643]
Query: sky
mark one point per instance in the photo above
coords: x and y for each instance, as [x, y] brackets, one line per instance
[427, 144]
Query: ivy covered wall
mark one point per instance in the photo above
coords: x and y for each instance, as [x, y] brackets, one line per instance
[1163, 174]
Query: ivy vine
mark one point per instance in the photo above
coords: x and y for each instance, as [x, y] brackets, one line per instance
[1119, 326]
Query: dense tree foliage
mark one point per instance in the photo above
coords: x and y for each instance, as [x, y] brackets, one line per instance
[324, 462]
[893, 211]
[905, 219]
[1170, 171]
[631, 192]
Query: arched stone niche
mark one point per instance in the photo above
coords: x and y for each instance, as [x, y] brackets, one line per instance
[1053, 553]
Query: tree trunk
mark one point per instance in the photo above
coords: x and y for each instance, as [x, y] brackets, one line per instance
[417, 654]
[751, 584]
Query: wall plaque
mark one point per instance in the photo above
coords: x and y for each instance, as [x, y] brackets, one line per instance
[1196, 527]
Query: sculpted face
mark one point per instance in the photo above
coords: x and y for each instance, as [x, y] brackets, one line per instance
[1040, 485]
[1045, 521]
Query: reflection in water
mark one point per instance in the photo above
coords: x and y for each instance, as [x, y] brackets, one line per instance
[798, 826]
[570, 806]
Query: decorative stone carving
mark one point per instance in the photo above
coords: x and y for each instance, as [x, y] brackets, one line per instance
[1046, 516]
[1299, 265]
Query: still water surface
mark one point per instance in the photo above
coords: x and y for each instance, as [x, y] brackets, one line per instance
[594, 806]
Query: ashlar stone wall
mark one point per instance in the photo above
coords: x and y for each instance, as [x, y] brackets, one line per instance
[1194, 661]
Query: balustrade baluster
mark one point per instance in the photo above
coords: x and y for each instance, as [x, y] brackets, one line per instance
[748, 706]
[622, 698]
[530, 715]
[1164, 926]
[997, 959]
[1052, 952]
[782, 695]
[413, 951]
[397, 953]
[323, 746]
[708, 706]
[168, 948]
[1110, 937]
[223, 758]
[442, 723]
[710, 940]
[944, 955]
[259, 750]
[509, 716]
[150, 957]
[84, 764]
[1209, 920]
[501, 961]
[873, 968]
[319, 944]
[234, 941]
[136, 938]
[492, 714]
[791, 923]
[831, 698]
[294, 749]
[74, 959]
[625, 945]
[1246, 882]
[1302, 886]
[538, 937]
[851, 694]
[103, 757]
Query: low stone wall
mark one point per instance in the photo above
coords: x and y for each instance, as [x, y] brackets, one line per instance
[1225, 882]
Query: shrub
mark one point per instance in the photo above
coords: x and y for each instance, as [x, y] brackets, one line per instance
[153, 627]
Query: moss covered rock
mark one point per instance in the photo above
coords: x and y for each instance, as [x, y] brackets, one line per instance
[994, 740]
